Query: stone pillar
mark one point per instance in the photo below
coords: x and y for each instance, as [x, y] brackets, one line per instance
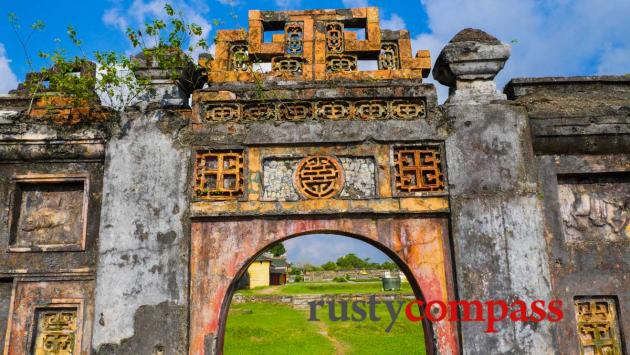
[141, 304]
[497, 231]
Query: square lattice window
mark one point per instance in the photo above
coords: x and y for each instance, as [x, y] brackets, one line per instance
[219, 174]
[597, 326]
[419, 169]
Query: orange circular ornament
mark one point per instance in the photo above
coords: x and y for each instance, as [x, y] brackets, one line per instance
[319, 177]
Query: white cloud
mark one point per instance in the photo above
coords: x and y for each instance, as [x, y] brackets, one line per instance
[317, 249]
[119, 97]
[394, 22]
[354, 3]
[193, 11]
[113, 18]
[8, 80]
[288, 4]
[434, 45]
[550, 38]
[229, 2]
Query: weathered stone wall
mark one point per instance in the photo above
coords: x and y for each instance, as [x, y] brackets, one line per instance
[6, 288]
[143, 253]
[495, 212]
[51, 170]
[581, 135]
[496, 220]
[521, 195]
[575, 115]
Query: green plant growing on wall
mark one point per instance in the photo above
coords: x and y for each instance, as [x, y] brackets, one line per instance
[167, 45]
[36, 26]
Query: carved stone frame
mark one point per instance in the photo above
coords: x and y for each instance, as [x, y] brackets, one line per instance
[32, 293]
[440, 148]
[77, 304]
[51, 179]
[555, 170]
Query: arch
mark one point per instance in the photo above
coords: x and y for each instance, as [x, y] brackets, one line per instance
[426, 324]
[222, 249]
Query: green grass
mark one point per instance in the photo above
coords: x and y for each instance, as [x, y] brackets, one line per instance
[272, 329]
[369, 337]
[329, 288]
[263, 328]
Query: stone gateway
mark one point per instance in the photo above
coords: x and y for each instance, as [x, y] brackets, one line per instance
[126, 233]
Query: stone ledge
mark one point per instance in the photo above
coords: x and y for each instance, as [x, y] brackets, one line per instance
[318, 89]
[57, 275]
[52, 150]
[310, 207]
[585, 144]
[518, 87]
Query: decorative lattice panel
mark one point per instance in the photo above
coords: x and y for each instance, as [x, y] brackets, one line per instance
[597, 327]
[418, 169]
[314, 45]
[349, 109]
[319, 177]
[55, 333]
[219, 174]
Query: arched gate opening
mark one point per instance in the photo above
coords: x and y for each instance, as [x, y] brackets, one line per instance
[421, 346]
[222, 250]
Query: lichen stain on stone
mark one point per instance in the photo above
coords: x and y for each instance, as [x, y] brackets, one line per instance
[166, 239]
[156, 269]
[139, 233]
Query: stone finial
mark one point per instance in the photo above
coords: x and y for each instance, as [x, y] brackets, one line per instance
[468, 65]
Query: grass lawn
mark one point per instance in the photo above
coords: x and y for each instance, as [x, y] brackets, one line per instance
[327, 288]
[369, 337]
[263, 328]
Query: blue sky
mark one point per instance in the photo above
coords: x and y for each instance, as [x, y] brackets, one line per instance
[548, 37]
